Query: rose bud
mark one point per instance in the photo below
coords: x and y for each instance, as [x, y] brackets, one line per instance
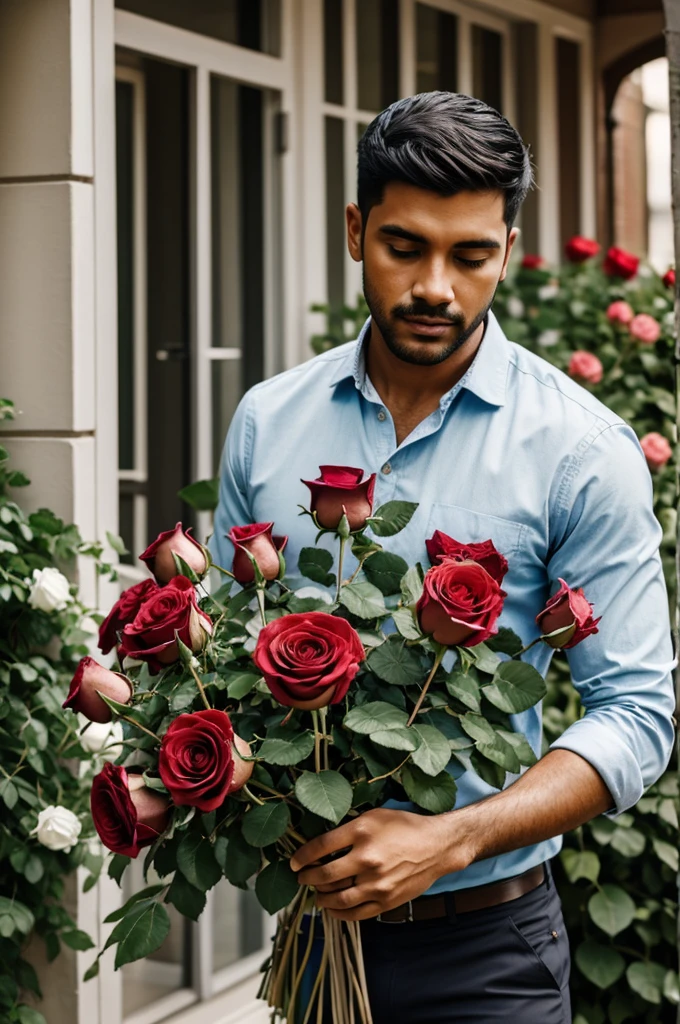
[669, 278]
[579, 249]
[89, 678]
[124, 611]
[460, 603]
[158, 556]
[585, 366]
[126, 813]
[657, 450]
[340, 490]
[441, 546]
[619, 263]
[171, 610]
[532, 262]
[197, 762]
[308, 659]
[569, 611]
[645, 328]
[620, 312]
[256, 540]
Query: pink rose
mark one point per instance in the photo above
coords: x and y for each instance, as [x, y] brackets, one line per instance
[158, 556]
[569, 611]
[669, 278]
[89, 681]
[256, 540]
[124, 611]
[585, 366]
[460, 603]
[339, 490]
[126, 813]
[620, 312]
[441, 546]
[645, 328]
[579, 249]
[530, 262]
[657, 450]
[619, 263]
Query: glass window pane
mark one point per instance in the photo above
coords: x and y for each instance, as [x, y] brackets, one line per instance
[333, 51]
[227, 389]
[126, 522]
[237, 925]
[125, 205]
[436, 49]
[568, 58]
[487, 66]
[335, 210]
[377, 53]
[255, 24]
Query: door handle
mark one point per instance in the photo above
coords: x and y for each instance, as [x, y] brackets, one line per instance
[164, 355]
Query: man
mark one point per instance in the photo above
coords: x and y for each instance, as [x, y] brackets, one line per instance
[492, 442]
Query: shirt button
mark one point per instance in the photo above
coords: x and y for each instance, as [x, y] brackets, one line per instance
[386, 469]
[381, 415]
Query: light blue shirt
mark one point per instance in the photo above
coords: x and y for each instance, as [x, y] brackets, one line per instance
[516, 452]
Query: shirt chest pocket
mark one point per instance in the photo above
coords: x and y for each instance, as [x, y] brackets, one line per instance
[469, 527]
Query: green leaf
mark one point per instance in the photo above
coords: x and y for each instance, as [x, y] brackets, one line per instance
[117, 543]
[490, 743]
[27, 1015]
[20, 917]
[436, 794]
[396, 739]
[314, 563]
[92, 971]
[601, 965]
[647, 979]
[279, 751]
[433, 753]
[392, 517]
[202, 495]
[603, 830]
[196, 861]
[241, 861]
[671, 987]
[611, 909]
[489, 771]
[117, 867]
[375, 716]
[520, 745]
[8, 792]
[275, 886]
[266, 823]
[326, 793]
[629, 842]
[140, 933]
[412, 585]
[144, 894]
[34, 869]
[486, 660]
[363, 600]
[505, 641]
[666, 853]
[407, 624]
[580, 864]
[77, 939]
[239, 683]
[385, 570]
[465, 688]
[189, 900]
[396, 663]
[515, 687]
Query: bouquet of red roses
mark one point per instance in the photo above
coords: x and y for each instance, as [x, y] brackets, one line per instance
[257, 716]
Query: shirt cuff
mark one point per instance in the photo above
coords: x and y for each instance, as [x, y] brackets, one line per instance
[600, 746]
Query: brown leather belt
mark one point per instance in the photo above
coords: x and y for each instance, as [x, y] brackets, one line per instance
[426, 908]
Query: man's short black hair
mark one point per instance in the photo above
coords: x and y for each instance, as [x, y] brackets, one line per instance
[445, 142]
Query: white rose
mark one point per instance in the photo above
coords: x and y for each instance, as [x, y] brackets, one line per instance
[547, 339]
[88, 625]
[57, 828]
[548, 291]
[100, 735]
[49, 590]
[515, 307]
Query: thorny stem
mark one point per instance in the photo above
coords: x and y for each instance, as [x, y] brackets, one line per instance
[322, 715]
[199, 684]
[142, 727]
[317, 742]
[260, 601]
[437, 662]
[341, 558]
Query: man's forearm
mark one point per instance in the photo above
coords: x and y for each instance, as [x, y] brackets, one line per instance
[559, 793]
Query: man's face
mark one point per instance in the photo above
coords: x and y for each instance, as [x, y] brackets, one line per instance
[431, 267]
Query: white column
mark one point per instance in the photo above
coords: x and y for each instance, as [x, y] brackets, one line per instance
[548, 170]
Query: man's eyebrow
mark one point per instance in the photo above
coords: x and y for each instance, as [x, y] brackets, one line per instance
[395, 231]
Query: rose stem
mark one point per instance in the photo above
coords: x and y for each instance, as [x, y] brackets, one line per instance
[322, 715]
[199, 684]
[142, 727]
[317, 742]
[260, 601]
[305, 960]
[341, 558]
[355, 981]
[355, 935]
[251, 795]
[437, 662]
[387, 774]
[529, 646]
[318, 983]
[220, 569]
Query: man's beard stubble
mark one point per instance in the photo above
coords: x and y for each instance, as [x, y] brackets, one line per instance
[428, 354]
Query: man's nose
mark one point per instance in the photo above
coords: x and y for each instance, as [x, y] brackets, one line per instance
[434, 285]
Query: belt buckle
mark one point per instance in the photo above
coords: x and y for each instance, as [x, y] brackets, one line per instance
[407, 920]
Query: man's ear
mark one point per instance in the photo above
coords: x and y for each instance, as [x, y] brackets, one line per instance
[354, 232]
[512, 238]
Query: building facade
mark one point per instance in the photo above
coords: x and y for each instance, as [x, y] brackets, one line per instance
[172, 183]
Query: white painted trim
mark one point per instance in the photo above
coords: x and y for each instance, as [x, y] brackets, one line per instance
[224, 353]
[234, 974]
[588, 146]
[408, 76]
[356, 113]
[129, 574]
[548, 148]
[136, 475]
[465, 68]
[81, 70]
[162, 1008]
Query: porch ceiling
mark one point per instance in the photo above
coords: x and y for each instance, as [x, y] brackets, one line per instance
[607, 8]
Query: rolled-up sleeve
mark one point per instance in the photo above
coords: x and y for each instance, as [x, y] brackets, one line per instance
[607, 541]
[233, 508]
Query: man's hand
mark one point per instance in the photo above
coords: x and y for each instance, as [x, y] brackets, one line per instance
[393, 857]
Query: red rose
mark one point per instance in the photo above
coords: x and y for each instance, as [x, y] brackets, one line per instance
[89, 678]
[340, 489]
[570, 611]
[308, 659]
[579, 249]
[158, 556]
[669, 278]
[532, 262]
[619, 263]
[657, 450]
[151, 635]
[440, 546]
[256, 539]
[460, 603]
[127, 814]
[124, 611]
[197, 763]
[585, 366]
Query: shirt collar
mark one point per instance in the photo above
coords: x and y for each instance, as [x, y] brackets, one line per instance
[486, 377]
